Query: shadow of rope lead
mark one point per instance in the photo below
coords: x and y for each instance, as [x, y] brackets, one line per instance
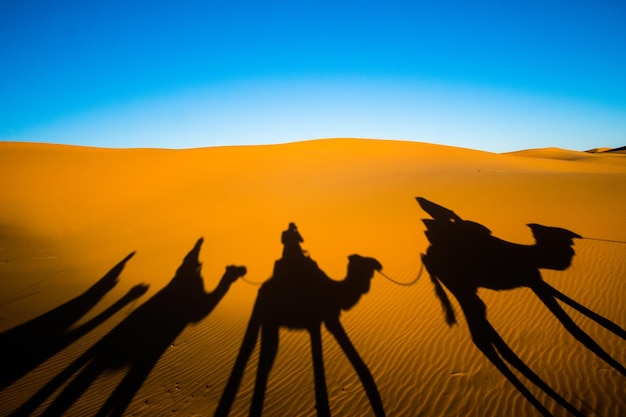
[404, 284]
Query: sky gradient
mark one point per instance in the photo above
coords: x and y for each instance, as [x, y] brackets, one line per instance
[481, 75]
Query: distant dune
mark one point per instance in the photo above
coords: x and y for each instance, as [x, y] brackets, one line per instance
[110, 302]
[597, 150]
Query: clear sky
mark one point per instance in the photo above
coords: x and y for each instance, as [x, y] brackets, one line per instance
[491, 75]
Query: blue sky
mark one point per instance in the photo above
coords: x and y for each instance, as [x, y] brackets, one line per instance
[496, 76]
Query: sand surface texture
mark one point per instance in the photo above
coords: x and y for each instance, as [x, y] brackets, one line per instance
[111, 303]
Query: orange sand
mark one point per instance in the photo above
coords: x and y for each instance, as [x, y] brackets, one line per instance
[70, 214]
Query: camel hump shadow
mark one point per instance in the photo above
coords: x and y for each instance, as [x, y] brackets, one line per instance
[300, 294]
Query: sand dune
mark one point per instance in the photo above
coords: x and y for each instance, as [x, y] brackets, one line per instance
[70, 218]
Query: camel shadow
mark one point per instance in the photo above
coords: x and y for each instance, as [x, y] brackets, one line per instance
[299, 295]
[138, 341]
[464, 256]
[28, 345]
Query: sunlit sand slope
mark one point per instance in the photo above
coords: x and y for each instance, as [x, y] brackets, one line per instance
[71, 217]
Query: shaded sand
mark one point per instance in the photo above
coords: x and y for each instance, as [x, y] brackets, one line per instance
[69, 215]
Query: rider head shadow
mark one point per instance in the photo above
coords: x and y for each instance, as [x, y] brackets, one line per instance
[137, 343]
[299, 295]
[28, 345]
[464, 256]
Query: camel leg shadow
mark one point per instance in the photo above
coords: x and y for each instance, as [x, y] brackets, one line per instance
[322, 403]
[267, 355]
[367, 380]
[602, 321]
[491, 344]
[74, 390]
[31, 405]
[269, 348]
[547, 295]
[124, 393]
[119, 399]
[234, 381]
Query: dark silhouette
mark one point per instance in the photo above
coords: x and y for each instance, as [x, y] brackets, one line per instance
[299, 295]
[291, 240]
[138, 341]
[26, 346]
[464, 256]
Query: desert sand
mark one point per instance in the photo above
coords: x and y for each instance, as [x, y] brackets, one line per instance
[102, 308]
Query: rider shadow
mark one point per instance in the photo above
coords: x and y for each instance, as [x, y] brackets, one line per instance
[464, 256]
[138, 341]
[28, 345]
[299, 295]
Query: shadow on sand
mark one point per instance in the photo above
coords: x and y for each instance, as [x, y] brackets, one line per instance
[299, 295]
[464, 256]
[28, 345]
[138, 341]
